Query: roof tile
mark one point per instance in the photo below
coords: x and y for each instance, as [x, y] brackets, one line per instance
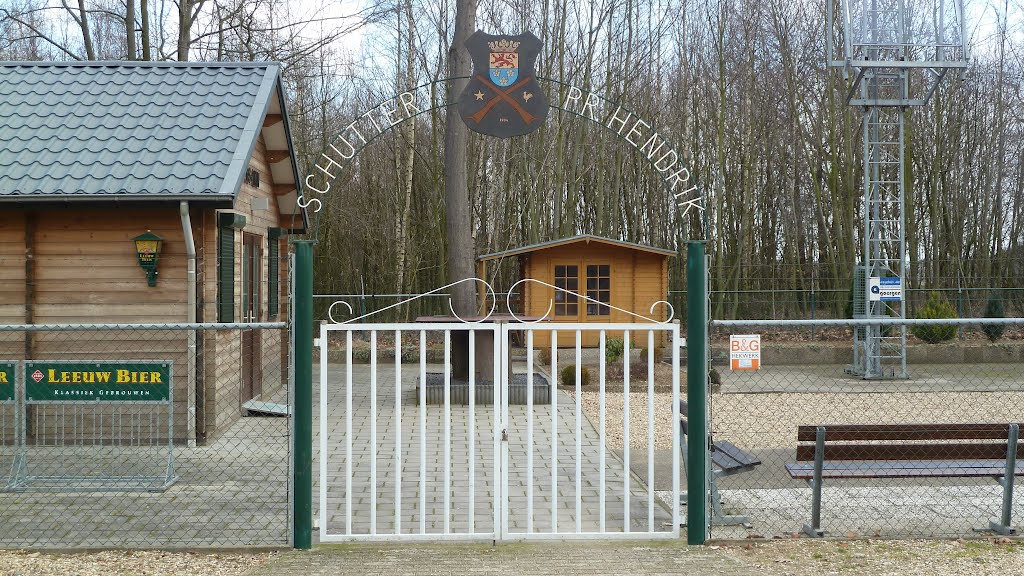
[122, 128]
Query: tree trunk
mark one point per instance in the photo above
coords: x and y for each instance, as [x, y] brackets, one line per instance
[129, 29]
[457, 209]
[407, 169]
[83, 21]
[458, 212]
[184, 29]
[144, 9]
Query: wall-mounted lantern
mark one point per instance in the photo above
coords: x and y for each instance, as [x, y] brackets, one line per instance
[147, 247]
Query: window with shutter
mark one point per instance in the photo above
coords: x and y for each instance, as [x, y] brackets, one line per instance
[227, 223]
[273, 254]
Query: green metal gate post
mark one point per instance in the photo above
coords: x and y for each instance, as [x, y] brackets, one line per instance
[696, 395]
[302, 513]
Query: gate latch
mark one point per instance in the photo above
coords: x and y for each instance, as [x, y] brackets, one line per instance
[504, 435]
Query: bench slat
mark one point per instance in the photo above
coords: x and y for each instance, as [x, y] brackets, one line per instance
[736, 454]
[908, 469]
[725, 463]
[853, 432]
[955, 452]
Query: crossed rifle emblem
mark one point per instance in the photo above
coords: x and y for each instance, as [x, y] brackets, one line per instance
[506, 96]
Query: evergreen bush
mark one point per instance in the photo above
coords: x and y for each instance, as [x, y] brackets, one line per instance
[935, 307]
[567, 376]
[659, 356]
[994, 309]
[613, 348]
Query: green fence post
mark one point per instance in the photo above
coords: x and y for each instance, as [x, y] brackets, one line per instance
[302, 512]
[696, 396]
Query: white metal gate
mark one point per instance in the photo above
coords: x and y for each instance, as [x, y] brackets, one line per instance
[413, 449]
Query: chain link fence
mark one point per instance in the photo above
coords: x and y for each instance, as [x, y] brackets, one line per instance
[831, 303]
[161, 435]
[915, 457]
[796, 304]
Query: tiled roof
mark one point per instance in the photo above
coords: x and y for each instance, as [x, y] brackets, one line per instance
[101, 130]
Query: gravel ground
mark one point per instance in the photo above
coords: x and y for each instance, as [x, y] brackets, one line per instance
[797, 557]
[884, 557]
[127, 562]
[614, 403]
[770, 420]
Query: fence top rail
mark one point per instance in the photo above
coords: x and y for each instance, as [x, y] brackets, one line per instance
[369, 295]
[810, 289]
[172, 326]
[853, 322]
[511, 325]
[409, 326]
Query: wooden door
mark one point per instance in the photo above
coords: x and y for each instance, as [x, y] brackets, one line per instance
[567, 306]
[252, 276]
[596, 277]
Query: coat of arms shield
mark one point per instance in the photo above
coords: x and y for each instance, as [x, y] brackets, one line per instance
[503, 98]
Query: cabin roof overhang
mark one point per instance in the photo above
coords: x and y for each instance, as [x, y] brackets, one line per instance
[583, 238]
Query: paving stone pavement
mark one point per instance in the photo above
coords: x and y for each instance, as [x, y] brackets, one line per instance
[232, 492]
[587, 558]
[470, 501]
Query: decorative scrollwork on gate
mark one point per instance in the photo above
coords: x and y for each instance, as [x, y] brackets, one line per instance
[330, 311]
[489, 288]
[551, 304]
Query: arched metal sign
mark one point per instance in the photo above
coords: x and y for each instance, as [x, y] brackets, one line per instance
[630, 127]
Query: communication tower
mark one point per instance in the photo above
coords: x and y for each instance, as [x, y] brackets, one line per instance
[894, 54]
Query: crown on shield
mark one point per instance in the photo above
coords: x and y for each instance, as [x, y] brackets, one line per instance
[503, 45]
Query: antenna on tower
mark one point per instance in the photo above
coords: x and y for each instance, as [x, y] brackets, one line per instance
[893, 55]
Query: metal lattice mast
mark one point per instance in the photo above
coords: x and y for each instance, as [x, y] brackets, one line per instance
[897, 52]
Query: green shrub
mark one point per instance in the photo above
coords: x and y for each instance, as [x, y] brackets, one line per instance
[360, 355]
[545, 356]
[715, 380]
[613, 348]
[935, 307]
[567, 376]
[994, 309]
[659, 356]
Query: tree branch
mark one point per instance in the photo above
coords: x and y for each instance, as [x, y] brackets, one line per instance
[38, 34]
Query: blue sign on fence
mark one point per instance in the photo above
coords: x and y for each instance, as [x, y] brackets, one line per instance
[887, 289]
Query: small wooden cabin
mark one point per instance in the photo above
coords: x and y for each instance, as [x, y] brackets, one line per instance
[611, 273]
[95, 154]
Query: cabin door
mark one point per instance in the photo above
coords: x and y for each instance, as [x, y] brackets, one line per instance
[583, 278]
[567, 302]
[252, 276]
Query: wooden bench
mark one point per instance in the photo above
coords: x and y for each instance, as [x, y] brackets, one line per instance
[838, 451]
[726, 459]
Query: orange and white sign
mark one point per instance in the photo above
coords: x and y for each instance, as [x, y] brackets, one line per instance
[745, 352]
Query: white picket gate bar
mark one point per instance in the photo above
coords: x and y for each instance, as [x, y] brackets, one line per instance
[409, 452]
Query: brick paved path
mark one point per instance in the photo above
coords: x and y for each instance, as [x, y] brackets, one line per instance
[460, 502]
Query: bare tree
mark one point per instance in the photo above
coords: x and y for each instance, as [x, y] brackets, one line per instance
[457, 207]
[406, 170]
